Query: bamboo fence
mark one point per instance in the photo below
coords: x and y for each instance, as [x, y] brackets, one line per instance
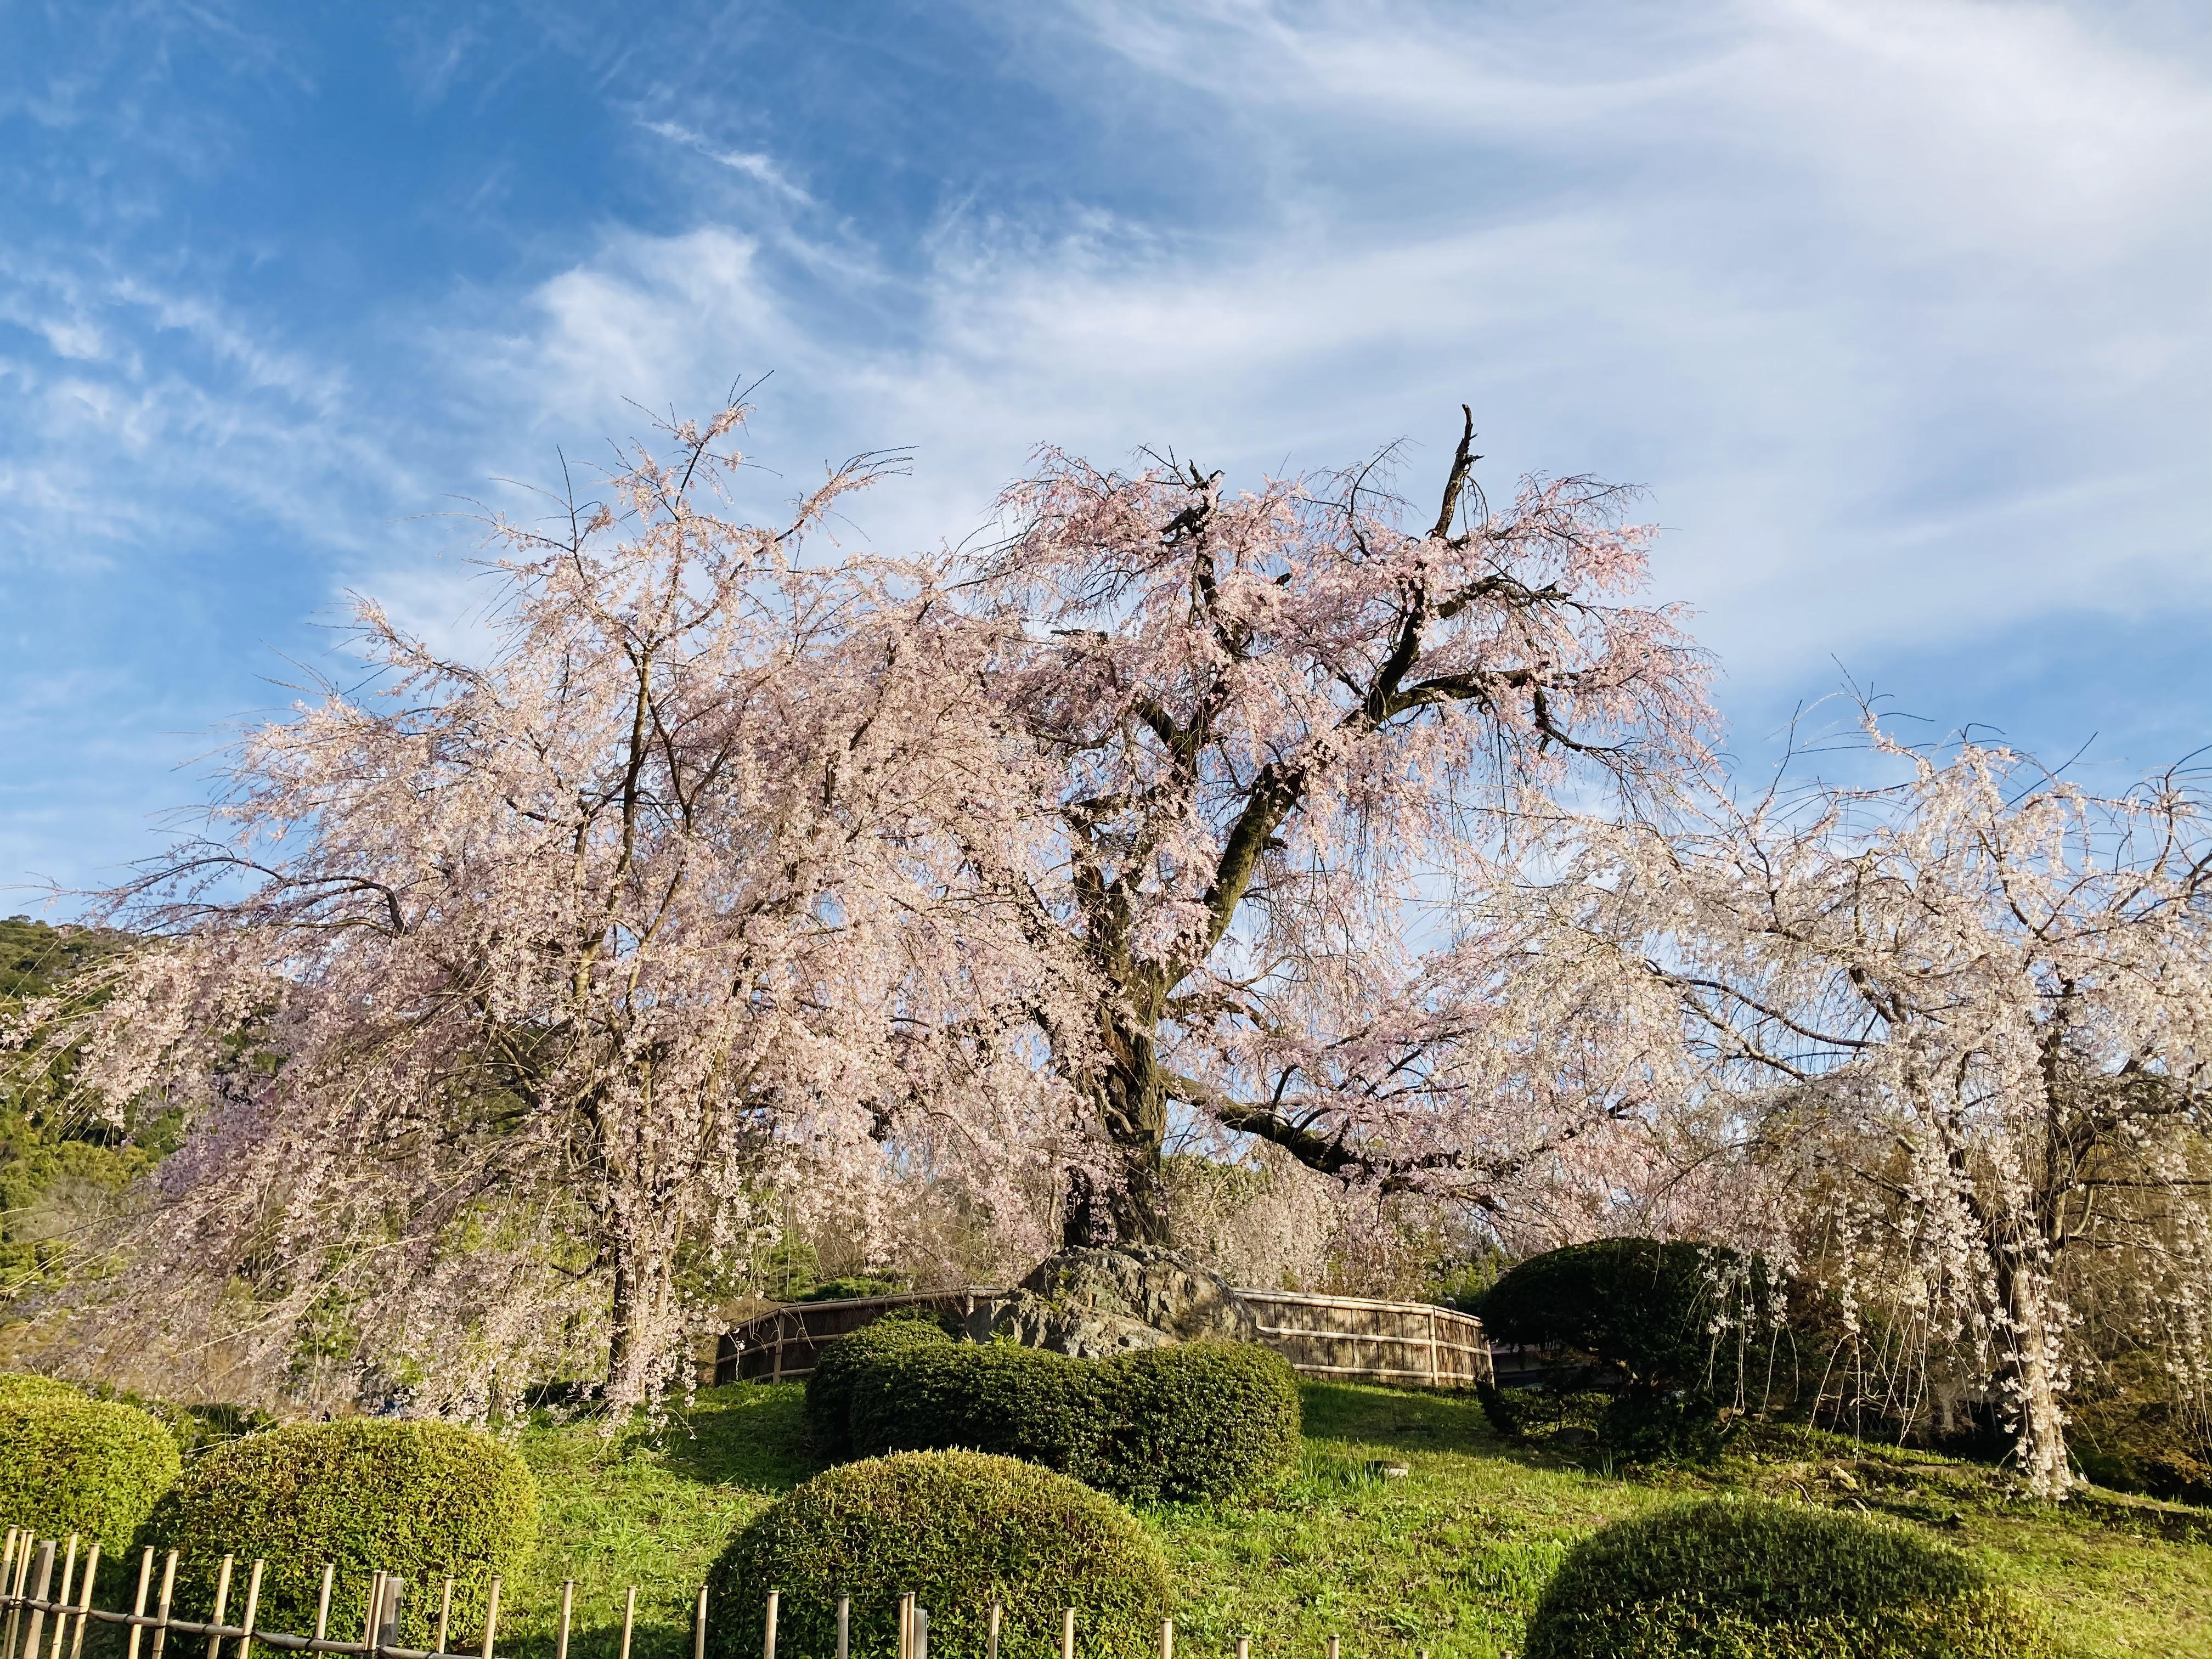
[41, 1619]
[1342, 1338]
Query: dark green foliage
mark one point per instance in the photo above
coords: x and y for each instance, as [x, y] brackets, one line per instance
[420, 1499]
[840, 1365]
[854, 1289]
[2134, 1429]
[960, 1530]
[72, 1465]
[1653, 1428]
[1190, 1420]
[1200, 1419]
[1514, 1413]
[1644, 1307]
[1755, 1579]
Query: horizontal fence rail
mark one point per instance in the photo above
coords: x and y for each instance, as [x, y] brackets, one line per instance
[1342, 1338]
[40, 1618]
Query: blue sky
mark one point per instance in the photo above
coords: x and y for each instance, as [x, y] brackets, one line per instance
[1899, 309]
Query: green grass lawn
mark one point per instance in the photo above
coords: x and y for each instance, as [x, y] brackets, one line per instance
[1450, 1557]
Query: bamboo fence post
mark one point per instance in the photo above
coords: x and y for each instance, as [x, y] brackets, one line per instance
[1167, 1638]
[323, 1602]
[8, 1590]
[491, 1615]
[629, 1619]
[84, 1603]
[567, 1608]
[252, 1607]
[221, 1602]
[161, 1609]
[368, 1619]
[1335, 1645]
[138, 1607]
[698, 1629]
[41, 1580]
[20, 1564]
[768, 1633]
[1243, 1647]
[992, 1652]
[1067, 1634]
[899, 1646]
[445, 1618]
[845, 1628]
[69, 1583]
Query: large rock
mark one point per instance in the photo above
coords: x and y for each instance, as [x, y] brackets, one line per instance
[1093, 1302]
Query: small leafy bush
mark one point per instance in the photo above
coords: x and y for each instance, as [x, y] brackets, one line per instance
[1189, 1420]
[840, 1365]
[1644, 1308]
[960, 1530]
[29, 1385]
[1200, 1419]
[1754, 1579]
[1514, 1413]
[1653, 1428]
[420, 1499]
[2133, 1430]
[68, 1464]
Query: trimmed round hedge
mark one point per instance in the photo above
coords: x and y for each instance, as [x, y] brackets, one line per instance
[842, 1365]
[419, 1499]
[960, 1530]
[68, 1464]
[1736, 1578]
[1189, 1420]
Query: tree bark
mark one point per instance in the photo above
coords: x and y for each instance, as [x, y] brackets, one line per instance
[2030, 1375]
[1132, 1101]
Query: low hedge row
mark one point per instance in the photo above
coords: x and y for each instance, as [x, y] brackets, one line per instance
[1189, 1421]
[420, 1499]
[1733, 1578]
[70, 1464]
[960, 1530]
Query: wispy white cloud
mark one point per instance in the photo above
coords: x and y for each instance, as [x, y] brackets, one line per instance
[761, 168]
[1893, 305]
[1897, 308]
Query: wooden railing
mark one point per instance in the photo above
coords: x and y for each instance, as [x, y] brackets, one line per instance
[1346, 1338]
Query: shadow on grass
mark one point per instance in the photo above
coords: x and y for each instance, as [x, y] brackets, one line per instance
[1417, 1421]
[746, 1434]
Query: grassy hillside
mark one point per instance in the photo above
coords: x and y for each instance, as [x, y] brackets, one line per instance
[1448, 1556]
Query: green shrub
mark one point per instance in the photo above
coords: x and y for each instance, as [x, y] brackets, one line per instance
[29, 1385]
[420, 1499]
[1652, 1428]
[1189, 1420]
[959, 1529]
[1201, 1420]
[1645, 1309]
[72, 1465]
[1513, 1412]
[1755, 1579]
[2132, 1429]
[839, 1365]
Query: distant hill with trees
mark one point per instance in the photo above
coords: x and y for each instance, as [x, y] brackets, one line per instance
[60, 1166]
